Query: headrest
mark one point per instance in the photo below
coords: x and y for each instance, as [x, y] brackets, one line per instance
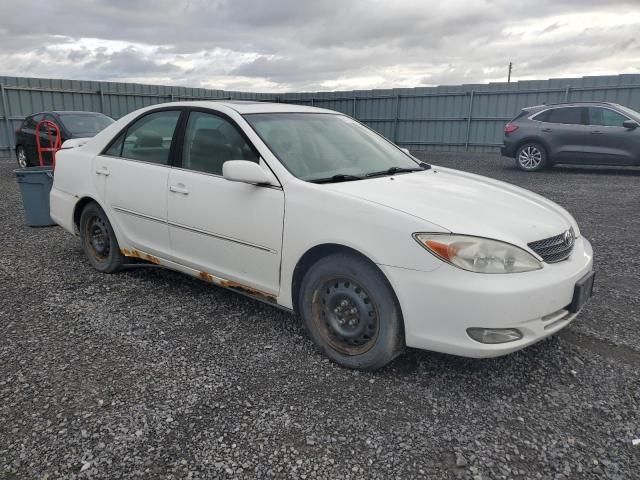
[208, 136]
[148, 139]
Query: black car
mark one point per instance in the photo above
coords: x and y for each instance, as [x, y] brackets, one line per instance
[597, 133]
[71, 125]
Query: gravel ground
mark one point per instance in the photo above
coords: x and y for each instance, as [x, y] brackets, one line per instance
[152, 374]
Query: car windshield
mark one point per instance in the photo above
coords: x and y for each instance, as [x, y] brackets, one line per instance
[321, 146]
[85, 123]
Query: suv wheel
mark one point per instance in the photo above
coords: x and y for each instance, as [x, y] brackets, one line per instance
[351, 313]
[531, 157]
[21, 157]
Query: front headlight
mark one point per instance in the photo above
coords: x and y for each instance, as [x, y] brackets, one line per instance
[476, 254]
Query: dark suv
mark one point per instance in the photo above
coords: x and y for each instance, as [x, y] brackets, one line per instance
[598, 133]
[71, 124]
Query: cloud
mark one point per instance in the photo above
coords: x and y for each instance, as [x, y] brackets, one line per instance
[285, 45]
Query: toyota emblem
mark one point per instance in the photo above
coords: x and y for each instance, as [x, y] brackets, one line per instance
[568, 238]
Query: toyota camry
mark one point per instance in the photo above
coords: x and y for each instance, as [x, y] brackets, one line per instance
[311, 211]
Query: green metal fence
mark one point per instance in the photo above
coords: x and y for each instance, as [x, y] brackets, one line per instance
[444, 118]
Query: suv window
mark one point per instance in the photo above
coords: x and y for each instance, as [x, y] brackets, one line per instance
[566, 115]
[32, 121]
[210, 140]
[29, 122]
[149, 139]
[605, 117]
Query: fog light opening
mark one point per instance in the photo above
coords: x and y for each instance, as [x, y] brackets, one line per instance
[494, 335]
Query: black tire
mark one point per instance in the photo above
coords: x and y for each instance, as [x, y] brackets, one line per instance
[532, 157]
[99, 242]
[22, 157]
[351, 312]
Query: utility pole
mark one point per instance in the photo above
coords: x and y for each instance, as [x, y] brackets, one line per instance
[509, 77]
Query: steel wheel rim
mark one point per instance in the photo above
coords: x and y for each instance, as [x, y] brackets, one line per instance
[22, 158]
[97, 235]
[530, 157]
[345, 315]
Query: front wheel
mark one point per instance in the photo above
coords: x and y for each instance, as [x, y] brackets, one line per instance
[351, 313]
[21, 157]
[531, 157]
[99, 242]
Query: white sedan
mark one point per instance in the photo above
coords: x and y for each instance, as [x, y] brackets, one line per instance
[311, 211]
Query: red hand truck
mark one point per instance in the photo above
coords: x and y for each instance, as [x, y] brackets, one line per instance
[53, 137]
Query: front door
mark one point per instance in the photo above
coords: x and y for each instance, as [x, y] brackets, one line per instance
[230, 230]
[607, 141]
[132, 176]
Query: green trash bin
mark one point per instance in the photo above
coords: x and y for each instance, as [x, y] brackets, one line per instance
[35, 185]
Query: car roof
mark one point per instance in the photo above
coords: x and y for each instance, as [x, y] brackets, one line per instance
[248, 106]
[569, 104]
[75, 112]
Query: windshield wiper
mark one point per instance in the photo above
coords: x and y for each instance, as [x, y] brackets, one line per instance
[393, 170]
[336, 178]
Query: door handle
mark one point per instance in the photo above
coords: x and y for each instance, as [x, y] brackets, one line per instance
[596, 132]
[103, 171]
[546, 130]
[180, 188]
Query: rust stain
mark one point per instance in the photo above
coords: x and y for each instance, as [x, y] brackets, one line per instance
[207, 277]
[141, 255]
[251, 291]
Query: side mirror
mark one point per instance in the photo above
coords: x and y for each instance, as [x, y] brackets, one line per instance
[630, 124]
[245, 171]
[406, 150]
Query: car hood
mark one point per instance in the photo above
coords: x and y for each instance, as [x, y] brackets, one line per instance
[465, 203]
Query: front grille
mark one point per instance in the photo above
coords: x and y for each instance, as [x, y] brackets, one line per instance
[555, 249]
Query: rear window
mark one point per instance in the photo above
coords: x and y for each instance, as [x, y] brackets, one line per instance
[520, 115]
[87, 124]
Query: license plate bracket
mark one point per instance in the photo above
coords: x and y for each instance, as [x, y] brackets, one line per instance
[582, 292]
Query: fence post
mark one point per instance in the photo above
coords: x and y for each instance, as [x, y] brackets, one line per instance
[466, 143]
[7, 122]
[313, 101]
[101, 92]
[566, 94]
[396, 120]
[354, 107]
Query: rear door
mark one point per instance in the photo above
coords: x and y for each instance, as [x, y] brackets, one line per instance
[563, 130]
[231, 230]
[608, 141]
[132, 175]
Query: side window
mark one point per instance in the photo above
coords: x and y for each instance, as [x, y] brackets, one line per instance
[115, 150]
[543, 116]
[566, 115]
[149, 139]
[29, 123]
[33, 120]
[209, 141]
[605, 117]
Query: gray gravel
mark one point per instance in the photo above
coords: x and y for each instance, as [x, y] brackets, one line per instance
[151, 374]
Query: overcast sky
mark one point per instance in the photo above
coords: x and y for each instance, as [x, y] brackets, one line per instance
[304, 45]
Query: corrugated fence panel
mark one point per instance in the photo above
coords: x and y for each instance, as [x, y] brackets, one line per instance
[445, 118]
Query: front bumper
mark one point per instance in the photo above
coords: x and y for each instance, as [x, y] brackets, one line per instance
[440, 305]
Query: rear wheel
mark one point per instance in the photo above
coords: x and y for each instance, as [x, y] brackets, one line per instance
[21, 157]
[99, 241]
[351, 312]
[531, 157]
